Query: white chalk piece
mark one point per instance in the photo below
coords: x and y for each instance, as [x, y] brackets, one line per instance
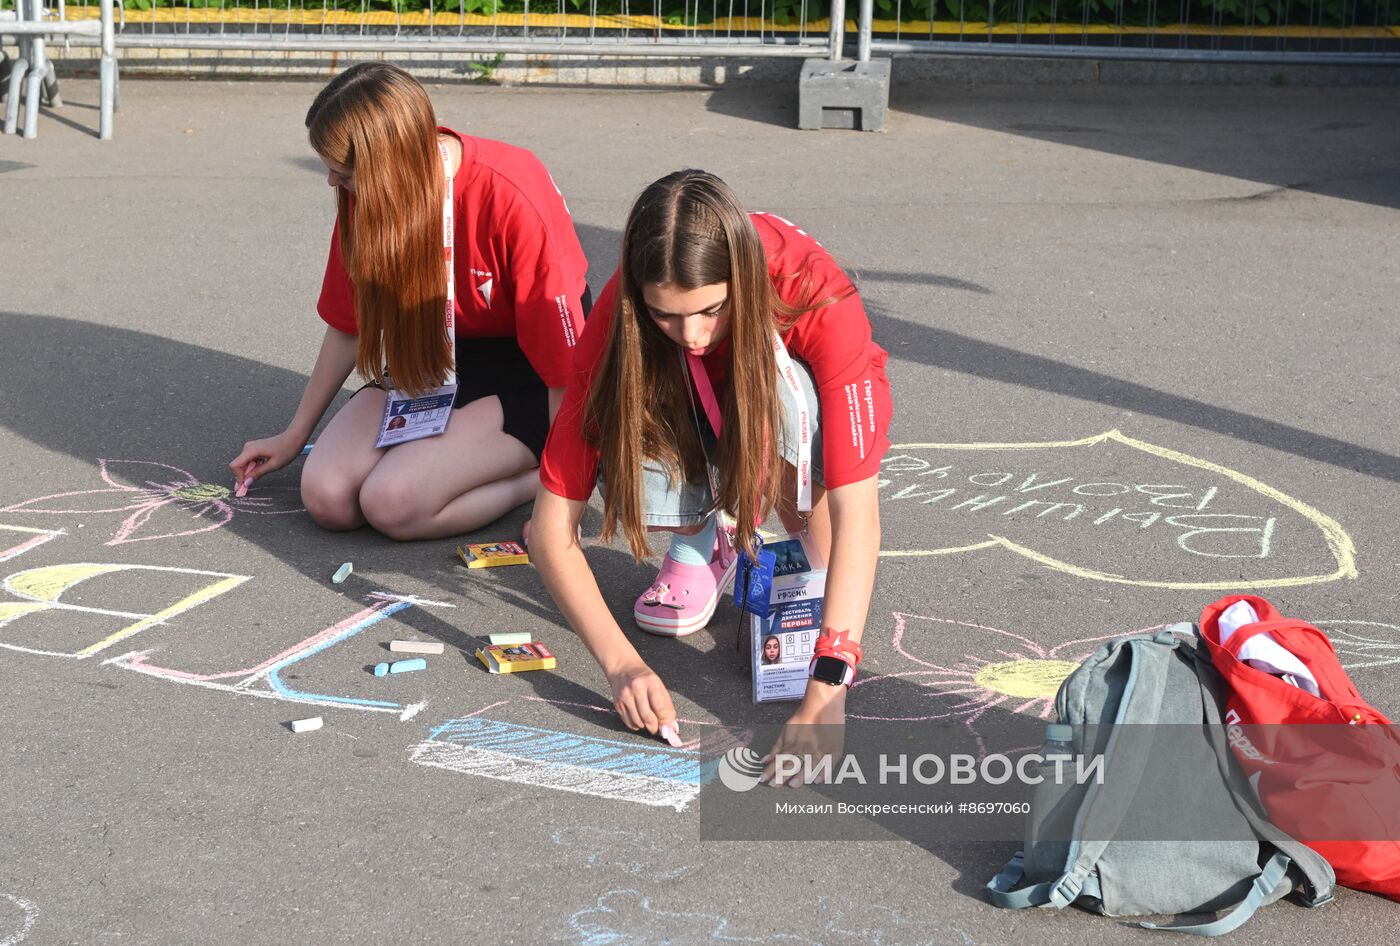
[342, 573]
[507, 640]
[306, 725]
[416, 647]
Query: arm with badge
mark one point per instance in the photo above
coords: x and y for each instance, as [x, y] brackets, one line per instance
[333, 365]
[816, 728]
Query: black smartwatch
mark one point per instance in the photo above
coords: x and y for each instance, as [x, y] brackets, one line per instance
[831, 670]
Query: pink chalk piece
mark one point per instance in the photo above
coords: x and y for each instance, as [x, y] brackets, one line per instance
[241, 489]
[672, 735]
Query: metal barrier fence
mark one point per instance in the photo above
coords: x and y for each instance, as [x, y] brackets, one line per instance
[1298, 31]
[1273, 31]
[642, 28]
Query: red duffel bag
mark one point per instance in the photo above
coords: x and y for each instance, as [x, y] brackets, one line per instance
[1333, 783]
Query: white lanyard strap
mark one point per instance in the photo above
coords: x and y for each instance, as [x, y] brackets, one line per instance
[449, 255]
[788, 372]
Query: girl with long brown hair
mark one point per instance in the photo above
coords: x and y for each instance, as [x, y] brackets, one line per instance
[412, 196]
[728, 371]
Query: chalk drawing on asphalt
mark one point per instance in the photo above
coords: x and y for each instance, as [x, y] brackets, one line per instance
[584, 765]
[1011, 672]
[265, 679]
[160, 501]
[1362, 644]
[41, 590]
[628, 915]
[631, 768]
[25, 539]
[1089, 508]
[16, 929]
[628, 852]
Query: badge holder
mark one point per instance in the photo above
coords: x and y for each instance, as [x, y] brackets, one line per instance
[413, 418]
[753, 587]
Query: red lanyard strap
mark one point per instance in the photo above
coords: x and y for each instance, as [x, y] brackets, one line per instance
[695, 367]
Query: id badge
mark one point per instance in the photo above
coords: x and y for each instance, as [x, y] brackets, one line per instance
[753, 585]
[413, 418]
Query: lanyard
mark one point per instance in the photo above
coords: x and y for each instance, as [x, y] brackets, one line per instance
[449, 255]
[412, 418]
[788, 372]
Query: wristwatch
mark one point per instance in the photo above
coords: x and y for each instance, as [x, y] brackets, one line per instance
[832, 670]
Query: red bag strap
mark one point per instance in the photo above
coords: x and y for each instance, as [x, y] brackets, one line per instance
[1332, 678]
[1210, 616]
[1250, 631]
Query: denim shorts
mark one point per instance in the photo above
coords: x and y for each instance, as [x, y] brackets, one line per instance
[671, 501]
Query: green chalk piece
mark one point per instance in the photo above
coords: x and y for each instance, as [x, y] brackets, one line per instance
[342, 573]
[519, 637]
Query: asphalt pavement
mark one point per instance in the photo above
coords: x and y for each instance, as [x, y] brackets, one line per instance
[1143, 352]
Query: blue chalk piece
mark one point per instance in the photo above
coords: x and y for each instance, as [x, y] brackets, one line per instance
[381, 669]
[306, 450]
[405, 666]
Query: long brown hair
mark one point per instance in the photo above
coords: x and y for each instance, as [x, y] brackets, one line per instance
[685, 231]
[375, 121]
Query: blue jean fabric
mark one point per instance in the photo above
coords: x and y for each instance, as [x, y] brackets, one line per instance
[669, 501]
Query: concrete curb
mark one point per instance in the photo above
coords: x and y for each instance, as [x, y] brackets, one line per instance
[712, 72]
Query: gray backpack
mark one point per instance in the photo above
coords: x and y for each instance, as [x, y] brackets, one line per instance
[1099, 845]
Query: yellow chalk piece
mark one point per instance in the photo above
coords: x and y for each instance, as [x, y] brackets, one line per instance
[1339, 543]
[184, 604]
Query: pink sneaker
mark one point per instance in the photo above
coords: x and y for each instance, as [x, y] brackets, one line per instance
[683, 597]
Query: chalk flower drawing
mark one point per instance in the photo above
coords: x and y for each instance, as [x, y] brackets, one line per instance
[1362, 644]
[162, 501]
[1016, 674]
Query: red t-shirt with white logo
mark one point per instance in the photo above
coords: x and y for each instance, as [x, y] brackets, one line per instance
[834, 341]
[519, 266]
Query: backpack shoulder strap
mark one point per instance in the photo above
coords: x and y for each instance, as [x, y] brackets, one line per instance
[1141, 701]
[1266, 885]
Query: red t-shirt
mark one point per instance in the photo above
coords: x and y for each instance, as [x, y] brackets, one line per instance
[834, 341]
[520, 270]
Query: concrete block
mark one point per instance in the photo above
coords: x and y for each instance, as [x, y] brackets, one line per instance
[843, 94]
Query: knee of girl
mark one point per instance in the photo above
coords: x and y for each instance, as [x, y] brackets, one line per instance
[330, 504]
[392, 509]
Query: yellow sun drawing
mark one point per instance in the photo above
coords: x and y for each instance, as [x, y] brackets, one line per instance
[1013, 673]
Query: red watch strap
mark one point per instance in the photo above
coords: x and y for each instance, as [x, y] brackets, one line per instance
[834, 643]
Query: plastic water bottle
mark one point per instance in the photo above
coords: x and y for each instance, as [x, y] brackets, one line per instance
[1057, 752]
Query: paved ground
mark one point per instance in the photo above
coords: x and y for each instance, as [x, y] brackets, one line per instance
[1211, 272]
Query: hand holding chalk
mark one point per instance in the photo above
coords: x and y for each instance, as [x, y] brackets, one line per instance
[260, 457]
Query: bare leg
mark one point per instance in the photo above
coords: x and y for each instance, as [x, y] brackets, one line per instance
[471, 475]
[343, 459]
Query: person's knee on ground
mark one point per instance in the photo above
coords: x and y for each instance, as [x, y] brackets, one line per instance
[331, 500]
[394, 506]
